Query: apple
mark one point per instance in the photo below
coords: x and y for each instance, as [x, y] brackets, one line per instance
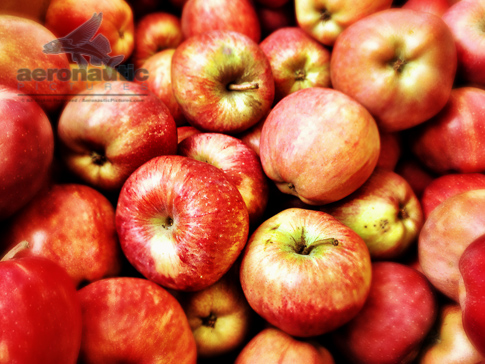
[297, 61]
[325, 20]
[456, 135]
[155, 32]
[465, 19]
[272, 3]
[72, 225]
[385, 213]
[415, 173]
[398, 314]
[449, 185]
[272, 19]
[436, 7]
[229, 88]
[185, 131]
[449, 229]
[133, 320]
[304, 138]
[305, 272]
[200, 16]
[25, 67]
[181, 223]
[472, 288]
[409, 58]
[40, 314]
[27, 147]
[34, 10]
[272, 345]
[252, 136]
[103, 138]
[391, 150]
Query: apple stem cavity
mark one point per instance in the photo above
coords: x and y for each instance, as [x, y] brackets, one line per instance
[98, 158]
[398, 64]
[209, 321]
[246, 86]
[24, 244]
[325, 15]
[304, 249]
[300, 75]
[403, 214]
[168, 223]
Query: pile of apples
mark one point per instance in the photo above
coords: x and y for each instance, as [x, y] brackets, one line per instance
[259, 181]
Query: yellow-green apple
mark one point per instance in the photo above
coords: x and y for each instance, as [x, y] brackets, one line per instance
[472, 292]
[24, 65]
[385, 213]
[240, 165]
[40, 314]
[133, 320]
[325, 20]
[181, 223]
[319, 145]
[449, 229]
[271, 19]
[449, 185]
[465, 19]
[456, 134]
[398, 314]
[436, 7]
[409, 58]
[391, 150]
[252, 136]
[185, 131]
[272, 345]
[297, 61]
[63, 16]
[413, 171]
[73, 225]
[450, 345]
[222, 80]
[200, 16]
[305, 272]
[34, 10]
[155, 32]
[27, 147]
[159, 81]
[108, 133]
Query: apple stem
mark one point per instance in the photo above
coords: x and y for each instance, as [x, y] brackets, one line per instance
[329, 241]
[24, 244]
[243, 86]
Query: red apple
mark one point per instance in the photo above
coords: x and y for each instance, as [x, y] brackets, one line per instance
[186, 131]
[181, 223]
[305, 272]
[398, 314]
[223, 81]
[297, 61]
[399, 63]
[133, 320]
[413, 171]
[272, 19]
[34, 10]
[27, 147]
[436, 7]
[304, 138]
[252, 136]
[391, 150]
[275, 346]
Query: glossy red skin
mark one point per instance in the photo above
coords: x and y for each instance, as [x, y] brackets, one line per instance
[275, 346]
[391, 150]
[452, 140]
[210, 222]
[185, 131]
[73, 225]
[63, 16]
[465, 19]
[472, 269]
[27, 144]
[398, 314]
[436, 7]
[22, 42]
[447, 186]
[252, 136]
[40, 314]
[200, 16]
[449, 229]
[133, 320]
[128, 134]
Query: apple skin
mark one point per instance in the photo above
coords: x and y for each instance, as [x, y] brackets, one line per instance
[34, 10]
[185, 131]
[272, 345]
[104, 142]
[391, 150]
[465, 19]
[410, 62]
[472, 288]
[297, 61]
[27, 144]
[133, 320]
[398, 314]
[272, 19]
[436, 7]
[417, 174]
[449, 185]
[252, 136]
[22, 42]
[299, 279]
[200, 16]
[304, 138]
[456, 134]
[446, 233]
[325, 20]
[40, 314]
[72, 225]
[181, 223]
[225, 59]
[385, 213]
